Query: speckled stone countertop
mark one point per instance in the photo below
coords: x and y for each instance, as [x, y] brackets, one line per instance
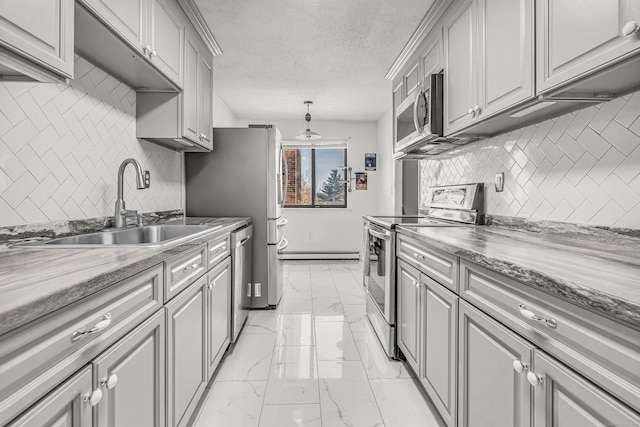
[595, 269]
[36, 282]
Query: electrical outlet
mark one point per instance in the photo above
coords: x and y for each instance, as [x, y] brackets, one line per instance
[257, 290]
[499, 182]
[147, 179]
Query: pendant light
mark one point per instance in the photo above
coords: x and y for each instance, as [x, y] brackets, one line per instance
[308, 134]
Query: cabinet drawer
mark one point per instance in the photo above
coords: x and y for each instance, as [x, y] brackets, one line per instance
[439, 265]
[183, 269]
[40, 355]
[606, 351]
[218, 249]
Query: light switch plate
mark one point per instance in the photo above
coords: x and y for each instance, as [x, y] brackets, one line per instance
[499, 182]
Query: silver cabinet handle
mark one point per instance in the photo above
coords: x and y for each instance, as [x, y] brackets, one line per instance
[630, 28]
[190, 267]
[103, 324]
[379, 234]
[93, 398]
[520, 367]
[534, 380]
[109, 382]
[417, 255]
[527, 313]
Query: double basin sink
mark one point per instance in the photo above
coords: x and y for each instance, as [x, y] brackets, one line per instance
[153, 236]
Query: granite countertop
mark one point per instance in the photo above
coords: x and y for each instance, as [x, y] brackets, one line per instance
[598, 270]
[36, 282]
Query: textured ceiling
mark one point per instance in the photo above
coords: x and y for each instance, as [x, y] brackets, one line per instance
[279, 53]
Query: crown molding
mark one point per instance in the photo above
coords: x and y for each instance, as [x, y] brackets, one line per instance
[192, 11]
[426, 24]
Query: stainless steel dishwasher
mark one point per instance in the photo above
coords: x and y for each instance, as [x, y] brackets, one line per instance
[241, 248]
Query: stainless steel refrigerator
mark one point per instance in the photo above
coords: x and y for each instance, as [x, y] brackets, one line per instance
[245, 175]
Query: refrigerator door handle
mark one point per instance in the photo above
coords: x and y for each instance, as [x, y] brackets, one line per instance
[283, 245]
[282, 222]
[285, 179]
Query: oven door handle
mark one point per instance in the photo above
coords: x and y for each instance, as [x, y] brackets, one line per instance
[379, 235]
[366, 261]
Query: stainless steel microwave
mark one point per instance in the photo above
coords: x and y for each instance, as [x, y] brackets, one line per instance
[419, 119]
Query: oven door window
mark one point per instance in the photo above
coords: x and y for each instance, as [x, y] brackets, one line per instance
[377, 274]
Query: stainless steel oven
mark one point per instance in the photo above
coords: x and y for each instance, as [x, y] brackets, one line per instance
[379, 280]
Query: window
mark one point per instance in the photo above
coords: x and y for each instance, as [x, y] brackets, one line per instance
[316, 177]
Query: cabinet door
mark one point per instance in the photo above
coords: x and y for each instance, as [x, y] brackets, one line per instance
[64, 406]
[191, 93]
[407, 322]
[412, 80]
[186, 352]
[205, 92]
[431, 55]
[490, 391]
[573, 38]
[127, 18]
[506, 54]
[41, 30]
[166, 37]
[563, 398]
[218, 304]
[460, 65]
[440, 334]
[131, 374]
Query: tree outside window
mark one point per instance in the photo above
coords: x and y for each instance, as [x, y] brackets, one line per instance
[316, 177]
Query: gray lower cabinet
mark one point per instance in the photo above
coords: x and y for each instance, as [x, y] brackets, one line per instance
[408, 313]
[64, 406]
[131, 376]
[186, 350]
[439, 347]
[217, 318]
[491, 392]
[564, 398]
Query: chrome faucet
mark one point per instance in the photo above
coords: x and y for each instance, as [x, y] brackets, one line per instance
[122, 214]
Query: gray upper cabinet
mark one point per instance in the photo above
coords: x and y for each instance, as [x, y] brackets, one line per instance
[131, 377]
[490, 390]
[127, 18]
[439, 347]
[506, 47]
[154, 28]
[488, 55]
[64, 406]
[205, 94]
[461, 65]
[218, 305]
[572, 40]
[563, 398]
[191, 106]
[408, 315]
[186, 350]
[431, 61]
[165, 36]
[36, 32]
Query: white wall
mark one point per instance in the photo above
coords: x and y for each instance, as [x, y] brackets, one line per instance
[582, 167]
[61, 146]
[222, 114]
[386, 164]
[333, 230]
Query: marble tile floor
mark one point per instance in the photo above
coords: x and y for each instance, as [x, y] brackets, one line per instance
[315, 362]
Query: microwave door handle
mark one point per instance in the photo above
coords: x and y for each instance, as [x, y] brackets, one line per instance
[415, 110]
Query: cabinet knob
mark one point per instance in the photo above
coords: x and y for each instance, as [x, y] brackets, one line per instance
[93, 398]
[519, 366]
[470, 111]
[154, 53]
[112, 381]
[630, 28]
[534, 380]
[147, 49]
[476, 109]
[210, 286]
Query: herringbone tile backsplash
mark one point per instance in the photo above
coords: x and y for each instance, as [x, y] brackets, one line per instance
[61, 146]
[582, 167]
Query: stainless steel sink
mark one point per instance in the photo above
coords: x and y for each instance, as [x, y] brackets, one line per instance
[147, 236]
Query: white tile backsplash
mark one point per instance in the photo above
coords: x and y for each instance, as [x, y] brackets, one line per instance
[582, 167]
[61, 145]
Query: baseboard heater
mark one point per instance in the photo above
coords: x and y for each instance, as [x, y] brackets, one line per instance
[320, 255]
